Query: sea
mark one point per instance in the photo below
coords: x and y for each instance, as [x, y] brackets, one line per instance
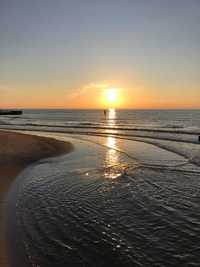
[180, 124]
[127, 195]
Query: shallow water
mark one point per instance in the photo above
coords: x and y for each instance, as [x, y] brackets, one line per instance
[110, 202]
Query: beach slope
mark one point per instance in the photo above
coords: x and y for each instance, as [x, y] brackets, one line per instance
[17, 150]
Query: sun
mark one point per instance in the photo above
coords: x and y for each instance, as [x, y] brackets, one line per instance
[111, 95]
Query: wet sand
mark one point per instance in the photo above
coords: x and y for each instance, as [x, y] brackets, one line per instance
[16, 152]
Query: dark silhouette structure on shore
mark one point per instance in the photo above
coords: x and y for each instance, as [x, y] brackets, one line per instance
[11, 112]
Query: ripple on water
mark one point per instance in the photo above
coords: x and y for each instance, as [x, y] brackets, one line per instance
[107, 214]
[144, 218]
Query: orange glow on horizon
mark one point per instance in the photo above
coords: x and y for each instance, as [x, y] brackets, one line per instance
[103, 95]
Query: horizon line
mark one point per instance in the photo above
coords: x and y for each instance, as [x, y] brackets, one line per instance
[54, 108]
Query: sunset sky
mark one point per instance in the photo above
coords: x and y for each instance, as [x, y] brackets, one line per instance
[100, 53]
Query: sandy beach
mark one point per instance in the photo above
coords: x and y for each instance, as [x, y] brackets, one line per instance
[16, 152]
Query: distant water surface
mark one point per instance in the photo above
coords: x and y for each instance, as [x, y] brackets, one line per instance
[161, 124]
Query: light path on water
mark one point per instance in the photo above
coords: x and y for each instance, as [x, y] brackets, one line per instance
[138, 152]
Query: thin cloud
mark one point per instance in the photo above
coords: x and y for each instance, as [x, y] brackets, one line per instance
[98, 85]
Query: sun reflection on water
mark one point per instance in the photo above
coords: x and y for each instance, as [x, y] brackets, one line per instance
[111, 117]
[112, 155]
[112, 161]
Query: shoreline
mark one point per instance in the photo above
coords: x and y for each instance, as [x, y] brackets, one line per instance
[17, 151]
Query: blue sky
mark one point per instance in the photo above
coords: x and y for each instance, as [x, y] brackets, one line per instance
[51, 50]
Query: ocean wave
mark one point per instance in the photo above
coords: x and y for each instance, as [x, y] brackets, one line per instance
[190, 138]
[171, 126]
[99, 126]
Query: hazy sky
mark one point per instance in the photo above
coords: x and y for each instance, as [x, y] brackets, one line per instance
[63, 53]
